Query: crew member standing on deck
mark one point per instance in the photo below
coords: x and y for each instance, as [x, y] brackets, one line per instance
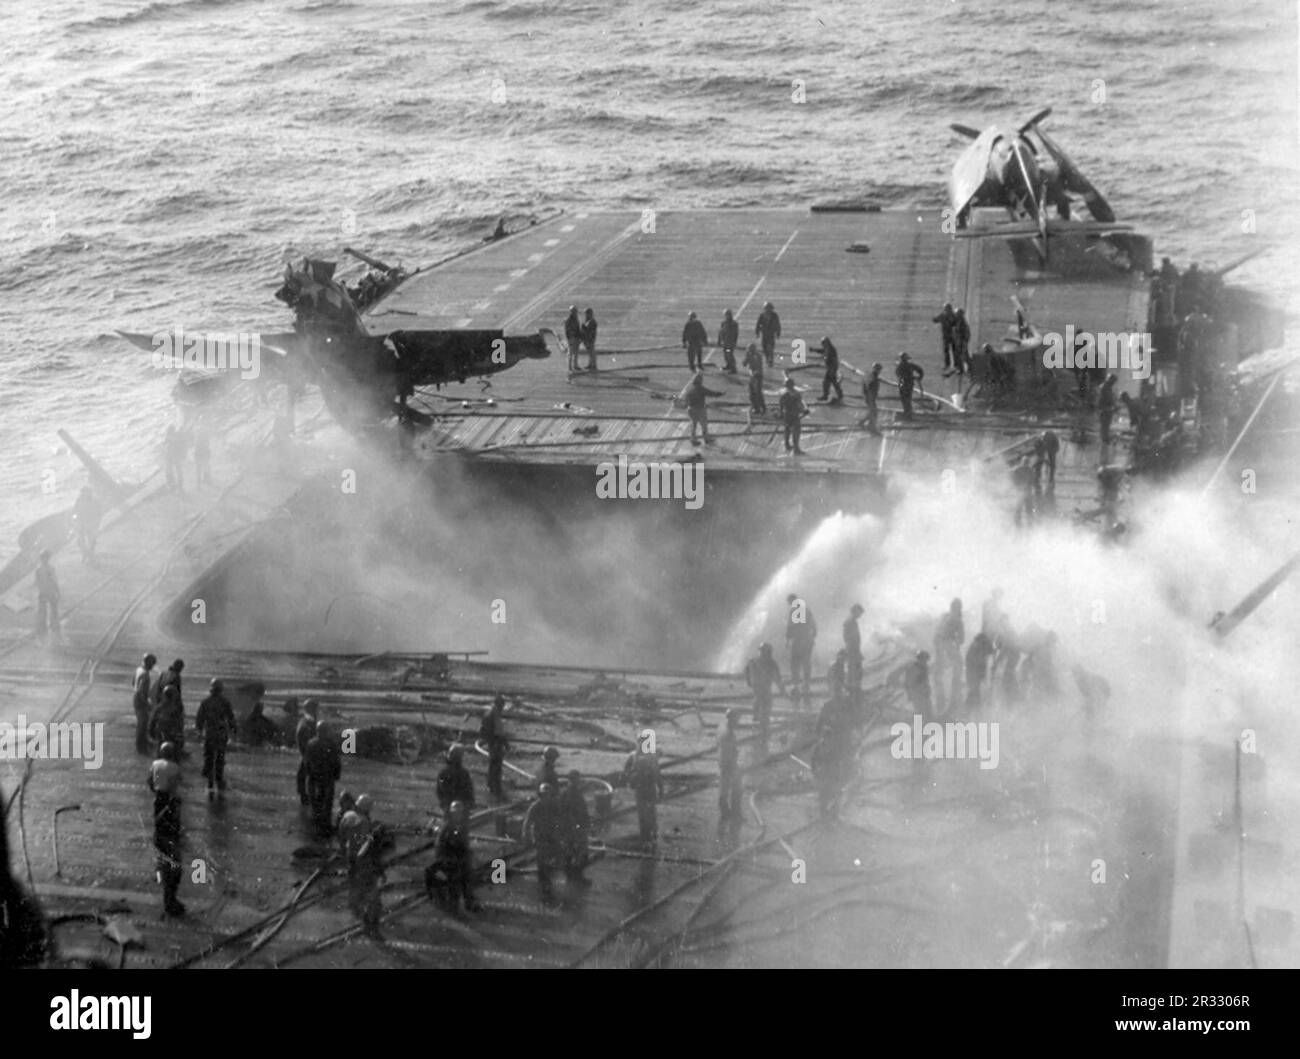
[167, 722]
[577, 826]
[728, 338]
[641, 771]
[302, 735]
[694, 339]
[324, 768]
[761, 674]
[961, 341]
[792, 411]
[573, 336]
[871, 394]
[548, 773]
[909, 375]
[695, 397]
[544, 826]
[831, 380]
[215, 721]
[768, 330]
[494, 741]
[455, 784]
[800, 634]
[140, 702]
[754, 364]
[1106, 402]
[449, 879]
[165, 782]
[589, 338]
[47, 600]
[945, 320]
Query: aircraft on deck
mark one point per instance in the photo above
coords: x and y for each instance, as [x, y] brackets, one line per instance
[364, 377]
[1025, 172]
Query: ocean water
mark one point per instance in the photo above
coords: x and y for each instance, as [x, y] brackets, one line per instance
[159, 159]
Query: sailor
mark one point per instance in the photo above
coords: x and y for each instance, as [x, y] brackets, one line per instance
[140, 702]
[302, 735]
[1046, 446]
[354, 826]
[202, 459]
[343, 823]
[694, 339]
[641, 772]
[792, 410]
[577, 825]
[573, 336]
[979, 652]
[728, 339]
[165, 782]
[544, 826]
[853, 650]
[945, 320]
[171, 678]
[730, 787]
[800, 634]
[215, 721]
[999, 373]
[768, 330]
[47, 600]
[761, 673]
[961, 341]
[1007, 662]
[365, 869]
[86, 514]
[1106, 402]
[167, 722]
[1188, 298]
[909, 375]
[948, 640]
[831, 380]
[324, 762]
[449, 879]
[915, 678]
[871, 395]
[455, 784]
[258, 728]
[495, 742]
[589, 338]
[757, 401]
[695, 396]
[830, 757]
[548, 772]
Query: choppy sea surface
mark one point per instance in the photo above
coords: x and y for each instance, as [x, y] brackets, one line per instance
[160, 158]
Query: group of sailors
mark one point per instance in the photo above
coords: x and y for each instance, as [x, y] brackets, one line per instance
[557, 822]
[999, 665]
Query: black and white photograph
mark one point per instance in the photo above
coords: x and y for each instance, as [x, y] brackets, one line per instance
[612, 484]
